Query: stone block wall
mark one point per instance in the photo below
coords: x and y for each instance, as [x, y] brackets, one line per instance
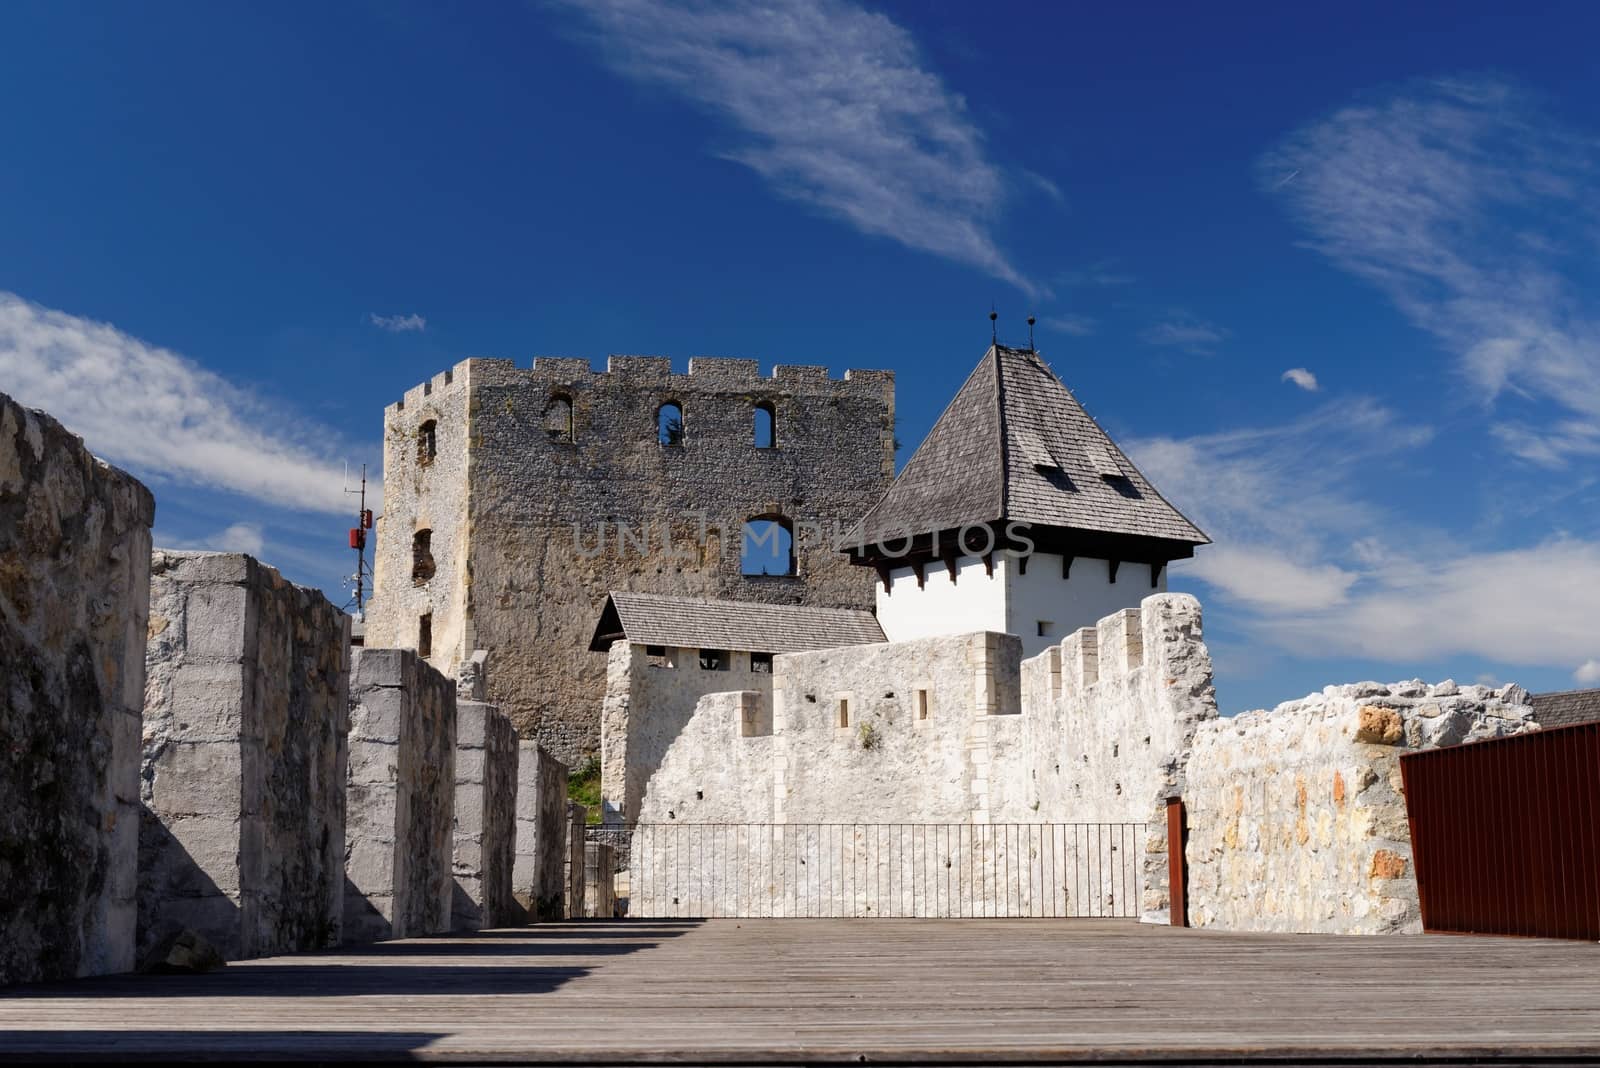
[1297, 820]
[539, 874]
[245, 723]
[485, 818]
[399, 839]
[74, 589]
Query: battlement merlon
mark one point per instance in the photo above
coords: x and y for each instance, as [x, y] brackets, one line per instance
[713, 371]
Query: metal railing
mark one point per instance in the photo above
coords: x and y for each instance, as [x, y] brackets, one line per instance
[881, 869]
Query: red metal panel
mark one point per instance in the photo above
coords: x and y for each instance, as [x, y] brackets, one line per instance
[1505, 834]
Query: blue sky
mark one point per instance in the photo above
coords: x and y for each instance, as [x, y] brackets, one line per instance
[1329, 274]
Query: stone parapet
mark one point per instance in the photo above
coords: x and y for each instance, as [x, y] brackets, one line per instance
[74, 592]
[399, 845]
[538, 875]
[245, 723]
[485, 818]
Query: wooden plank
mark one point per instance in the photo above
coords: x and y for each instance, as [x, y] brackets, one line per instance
[788, 990]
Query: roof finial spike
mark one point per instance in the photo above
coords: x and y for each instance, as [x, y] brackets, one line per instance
[1031, 321]
[993, 315]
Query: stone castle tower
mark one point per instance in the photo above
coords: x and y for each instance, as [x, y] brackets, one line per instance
[516, 499]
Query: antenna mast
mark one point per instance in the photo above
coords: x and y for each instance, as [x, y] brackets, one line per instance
[358, 542]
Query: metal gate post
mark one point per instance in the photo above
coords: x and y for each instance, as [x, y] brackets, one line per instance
[1177, 869]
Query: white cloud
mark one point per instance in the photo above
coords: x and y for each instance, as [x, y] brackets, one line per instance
[1185, 332]
[833, 106]
[1467, 205]
[163, 415]
[238, 538]
[1302, 378]
[1588, 673]
[1306, 562]
[1075, 325]
[398, 324]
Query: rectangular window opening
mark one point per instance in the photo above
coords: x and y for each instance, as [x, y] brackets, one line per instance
[761, 663]
[713, 660]
[922, 704]
[1047, 629]
[425, 635]
[844, 712]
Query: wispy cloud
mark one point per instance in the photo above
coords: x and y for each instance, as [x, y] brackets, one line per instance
[1308, 562]
[832, 104]
[237, 538]
[1467, 205]
[163, 415]
[1074, 325]
[399, 324]
[1184, 331]
[1104, 273]
[1302, 378]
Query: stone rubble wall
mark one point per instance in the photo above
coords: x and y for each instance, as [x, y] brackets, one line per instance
[74, 590]
[503, 494]
[245, 724]
[399, 842]
[1297, 820]
[539, 873]
[485, 818]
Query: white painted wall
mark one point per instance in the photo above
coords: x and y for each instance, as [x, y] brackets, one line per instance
[1069, 603]
[1013, 601]
[975, 601]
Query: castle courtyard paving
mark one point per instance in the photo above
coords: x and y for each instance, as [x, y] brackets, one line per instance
[794, 991]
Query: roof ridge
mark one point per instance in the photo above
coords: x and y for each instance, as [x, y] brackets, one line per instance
[1004, 481]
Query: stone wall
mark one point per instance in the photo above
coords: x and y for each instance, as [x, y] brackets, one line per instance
[398, 844]
[485, 818]
[1297, 821]
[664, 690]
[539, 873]
[245, 722]
[535, 516]
[74, 588]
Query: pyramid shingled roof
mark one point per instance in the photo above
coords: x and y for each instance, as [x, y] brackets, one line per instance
[693, 622]
[1015, 445]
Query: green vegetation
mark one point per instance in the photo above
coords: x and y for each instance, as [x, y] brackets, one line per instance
[583, 786]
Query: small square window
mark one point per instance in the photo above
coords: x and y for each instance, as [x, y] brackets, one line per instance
[713, 660]
[1047, 629]
[761, 663]
[655, 650]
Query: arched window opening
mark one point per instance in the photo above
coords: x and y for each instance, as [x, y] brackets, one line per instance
[421, 557]
[669, 424]
[768, 548]
[427, 446]
[557, 420]
[766, 426]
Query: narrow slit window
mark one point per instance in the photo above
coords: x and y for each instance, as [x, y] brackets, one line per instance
[922, 704]
[425, 635]
[669, 424]
[427, 443]
[844, 712]
[421, 557]
[766, 426]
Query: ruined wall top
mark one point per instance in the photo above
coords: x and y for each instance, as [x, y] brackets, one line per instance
[705, 372]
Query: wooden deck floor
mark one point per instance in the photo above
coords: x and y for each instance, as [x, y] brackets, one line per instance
[819, 990]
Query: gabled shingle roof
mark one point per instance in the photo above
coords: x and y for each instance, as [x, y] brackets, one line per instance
[691, 623]
[1015, 445]
[1566, 707]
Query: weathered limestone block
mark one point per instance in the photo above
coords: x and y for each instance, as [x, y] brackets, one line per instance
[74, 589]
[1297, 820]
[577, 817]
[401, 801]
[600, 880]
[539, 875]
[245, 723]
[485, 818]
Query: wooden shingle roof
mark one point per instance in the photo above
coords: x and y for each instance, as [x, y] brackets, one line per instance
[1566, 707]
[692, 623]
[1015, 445]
